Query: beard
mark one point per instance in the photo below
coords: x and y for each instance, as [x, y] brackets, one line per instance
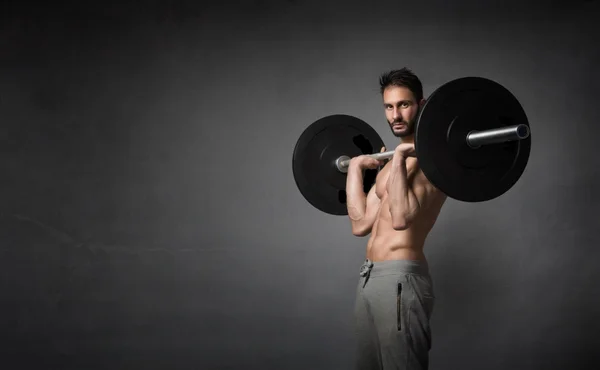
[407, 130]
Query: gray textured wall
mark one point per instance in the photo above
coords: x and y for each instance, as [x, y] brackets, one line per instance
[149, 217]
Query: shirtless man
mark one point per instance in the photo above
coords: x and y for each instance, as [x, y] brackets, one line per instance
[395, 292]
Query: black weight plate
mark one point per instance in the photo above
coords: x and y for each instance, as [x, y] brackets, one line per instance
[316, 151]
[449, 114]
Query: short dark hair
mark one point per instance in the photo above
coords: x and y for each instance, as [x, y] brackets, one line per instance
[403, 77]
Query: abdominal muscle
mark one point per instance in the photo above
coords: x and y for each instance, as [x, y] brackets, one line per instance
[385, 243]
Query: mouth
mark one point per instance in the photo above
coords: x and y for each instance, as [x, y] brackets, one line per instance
[398, 125]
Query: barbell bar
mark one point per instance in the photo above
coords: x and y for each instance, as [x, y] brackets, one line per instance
[474, 139]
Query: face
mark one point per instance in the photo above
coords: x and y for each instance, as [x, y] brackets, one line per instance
[401, 110]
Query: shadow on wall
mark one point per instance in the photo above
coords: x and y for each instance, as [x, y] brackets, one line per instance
[463, 282]
[507, 301]
[471, 324]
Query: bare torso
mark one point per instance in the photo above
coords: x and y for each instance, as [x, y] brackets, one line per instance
[385, 243]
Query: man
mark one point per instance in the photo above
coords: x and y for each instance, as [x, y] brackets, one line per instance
[395, 292]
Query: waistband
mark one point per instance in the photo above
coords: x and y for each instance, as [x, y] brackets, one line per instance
[394, 267]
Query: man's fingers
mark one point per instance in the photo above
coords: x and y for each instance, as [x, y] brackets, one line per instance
[374, 163]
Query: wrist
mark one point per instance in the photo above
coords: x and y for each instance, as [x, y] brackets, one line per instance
[399, 158]
[355, 168]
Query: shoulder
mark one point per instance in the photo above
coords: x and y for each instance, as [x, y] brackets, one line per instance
[421, 184]
[421, 180]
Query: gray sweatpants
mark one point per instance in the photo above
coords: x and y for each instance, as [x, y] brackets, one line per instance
[394, 302]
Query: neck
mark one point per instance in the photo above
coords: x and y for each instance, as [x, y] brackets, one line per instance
[407, 139]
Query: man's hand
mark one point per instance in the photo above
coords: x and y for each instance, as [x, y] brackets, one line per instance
[405, 150]
[364, 162]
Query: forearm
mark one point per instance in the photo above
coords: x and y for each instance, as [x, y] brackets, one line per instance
[403, 202]
[356, 199]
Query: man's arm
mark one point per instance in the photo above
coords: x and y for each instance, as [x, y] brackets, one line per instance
[362, 219]
[362, 209]
[407, 199]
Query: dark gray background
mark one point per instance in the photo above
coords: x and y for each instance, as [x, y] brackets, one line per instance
[150, 219]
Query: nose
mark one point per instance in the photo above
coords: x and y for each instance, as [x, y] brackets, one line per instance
[395, 114]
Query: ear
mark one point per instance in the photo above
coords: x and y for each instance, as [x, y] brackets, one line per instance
[422, 102]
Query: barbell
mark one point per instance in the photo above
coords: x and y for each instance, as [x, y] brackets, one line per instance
[472, 142]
